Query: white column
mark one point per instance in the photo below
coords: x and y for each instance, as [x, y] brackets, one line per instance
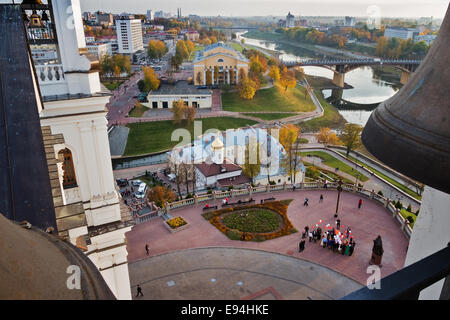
[204, 77]
[228, 76]
[212, 75]
[430, 234]
[237, 76]
[90, 164]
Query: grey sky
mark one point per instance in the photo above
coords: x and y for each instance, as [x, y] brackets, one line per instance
[391, 8]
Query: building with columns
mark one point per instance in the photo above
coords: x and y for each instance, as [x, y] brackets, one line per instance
[72, 110]
[218, 64]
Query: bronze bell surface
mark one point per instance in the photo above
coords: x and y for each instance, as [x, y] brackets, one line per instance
[410, 132]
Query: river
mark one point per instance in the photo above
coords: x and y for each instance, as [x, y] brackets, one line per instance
[370, 85]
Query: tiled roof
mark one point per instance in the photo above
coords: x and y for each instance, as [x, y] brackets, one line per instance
[210, 170]
[200, 55]
[241, 179]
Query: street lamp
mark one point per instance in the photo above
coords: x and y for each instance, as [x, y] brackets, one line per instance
[339, 189]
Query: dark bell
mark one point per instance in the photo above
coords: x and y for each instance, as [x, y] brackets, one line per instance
[44, 16]
[410, 132]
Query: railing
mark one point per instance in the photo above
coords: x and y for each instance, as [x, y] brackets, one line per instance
[407, 283]
[145, 217]
[50, 73]
[385, 202]
[311, 62]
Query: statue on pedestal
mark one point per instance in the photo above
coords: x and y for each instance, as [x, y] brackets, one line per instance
[377, 251]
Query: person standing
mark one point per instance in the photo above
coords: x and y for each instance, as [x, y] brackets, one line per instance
[139, 291]
[147, 249]
[321, 198]
[338, 224]
[359, 203]
[301, 246]
[310, 236]
[306, 202]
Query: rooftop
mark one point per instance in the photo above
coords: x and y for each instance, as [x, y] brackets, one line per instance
[200, 55]
[179, 88]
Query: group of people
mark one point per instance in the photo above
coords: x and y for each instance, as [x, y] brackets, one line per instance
[332, 238]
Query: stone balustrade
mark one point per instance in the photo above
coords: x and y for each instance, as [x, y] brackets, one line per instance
[50, 73]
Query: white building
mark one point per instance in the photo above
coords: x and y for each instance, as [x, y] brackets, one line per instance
[150, 15]
[349, 21]
[90, 39]
[290, 22]
[401, 33]
[100, 49]
[167, 94]
[89, 213]
[428, 38]
[129, 35]
[219, 157]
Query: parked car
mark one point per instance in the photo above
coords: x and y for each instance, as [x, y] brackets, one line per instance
[141, 191]
[122, 182]
[136, 182]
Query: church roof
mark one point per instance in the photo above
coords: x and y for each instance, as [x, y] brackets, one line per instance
[213, 169]
[202, 54]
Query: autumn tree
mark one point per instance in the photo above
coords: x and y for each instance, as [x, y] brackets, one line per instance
[289, 135]
[151, 80]
[327, 136]
[351, 136]
[156, 49]
[252, 164]
[274, 73]
[247, 89]
[287, 79]
[181, 51]
[299, 74]
[189, 114]
[177, 111]
[160, 195]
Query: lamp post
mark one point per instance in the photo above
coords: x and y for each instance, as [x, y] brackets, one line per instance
[339, 189]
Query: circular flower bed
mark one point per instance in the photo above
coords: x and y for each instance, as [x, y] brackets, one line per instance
[176, 222]
[254, 222]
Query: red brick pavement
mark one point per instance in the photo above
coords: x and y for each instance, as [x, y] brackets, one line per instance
[366, 224]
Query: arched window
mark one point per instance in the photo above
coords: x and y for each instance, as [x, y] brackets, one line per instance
[220, 60]
[70, 180]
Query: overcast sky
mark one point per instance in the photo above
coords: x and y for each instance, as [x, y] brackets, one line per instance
[387, 8]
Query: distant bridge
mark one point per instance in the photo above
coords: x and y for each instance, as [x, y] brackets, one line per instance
[235, 28]
[342, 66]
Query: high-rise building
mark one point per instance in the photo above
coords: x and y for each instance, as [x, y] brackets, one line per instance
[105, 19]
[349, 21]
[129, 35]
[150, 15]
[290, 23]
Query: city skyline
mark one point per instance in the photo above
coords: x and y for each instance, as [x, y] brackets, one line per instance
[394, 8]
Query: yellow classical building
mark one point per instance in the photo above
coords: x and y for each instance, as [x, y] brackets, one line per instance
[219, 64]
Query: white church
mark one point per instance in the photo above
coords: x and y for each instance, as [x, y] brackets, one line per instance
[218, 158]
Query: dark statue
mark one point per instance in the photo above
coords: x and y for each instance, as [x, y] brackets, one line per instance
[378, 246]
[377, 251]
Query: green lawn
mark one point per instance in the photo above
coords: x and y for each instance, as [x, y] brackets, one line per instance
[196, 48]
[253, 220]
[385, 177]
[149, 137]
[271, 99]
[138, 111]
[405, 213]
[236, 46]
[270, 116]
[331, 117]
[331, 161]
[112, 85]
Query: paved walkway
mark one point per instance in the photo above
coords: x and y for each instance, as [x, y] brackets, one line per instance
[366, 224]
[118, 140]
[235, 273]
